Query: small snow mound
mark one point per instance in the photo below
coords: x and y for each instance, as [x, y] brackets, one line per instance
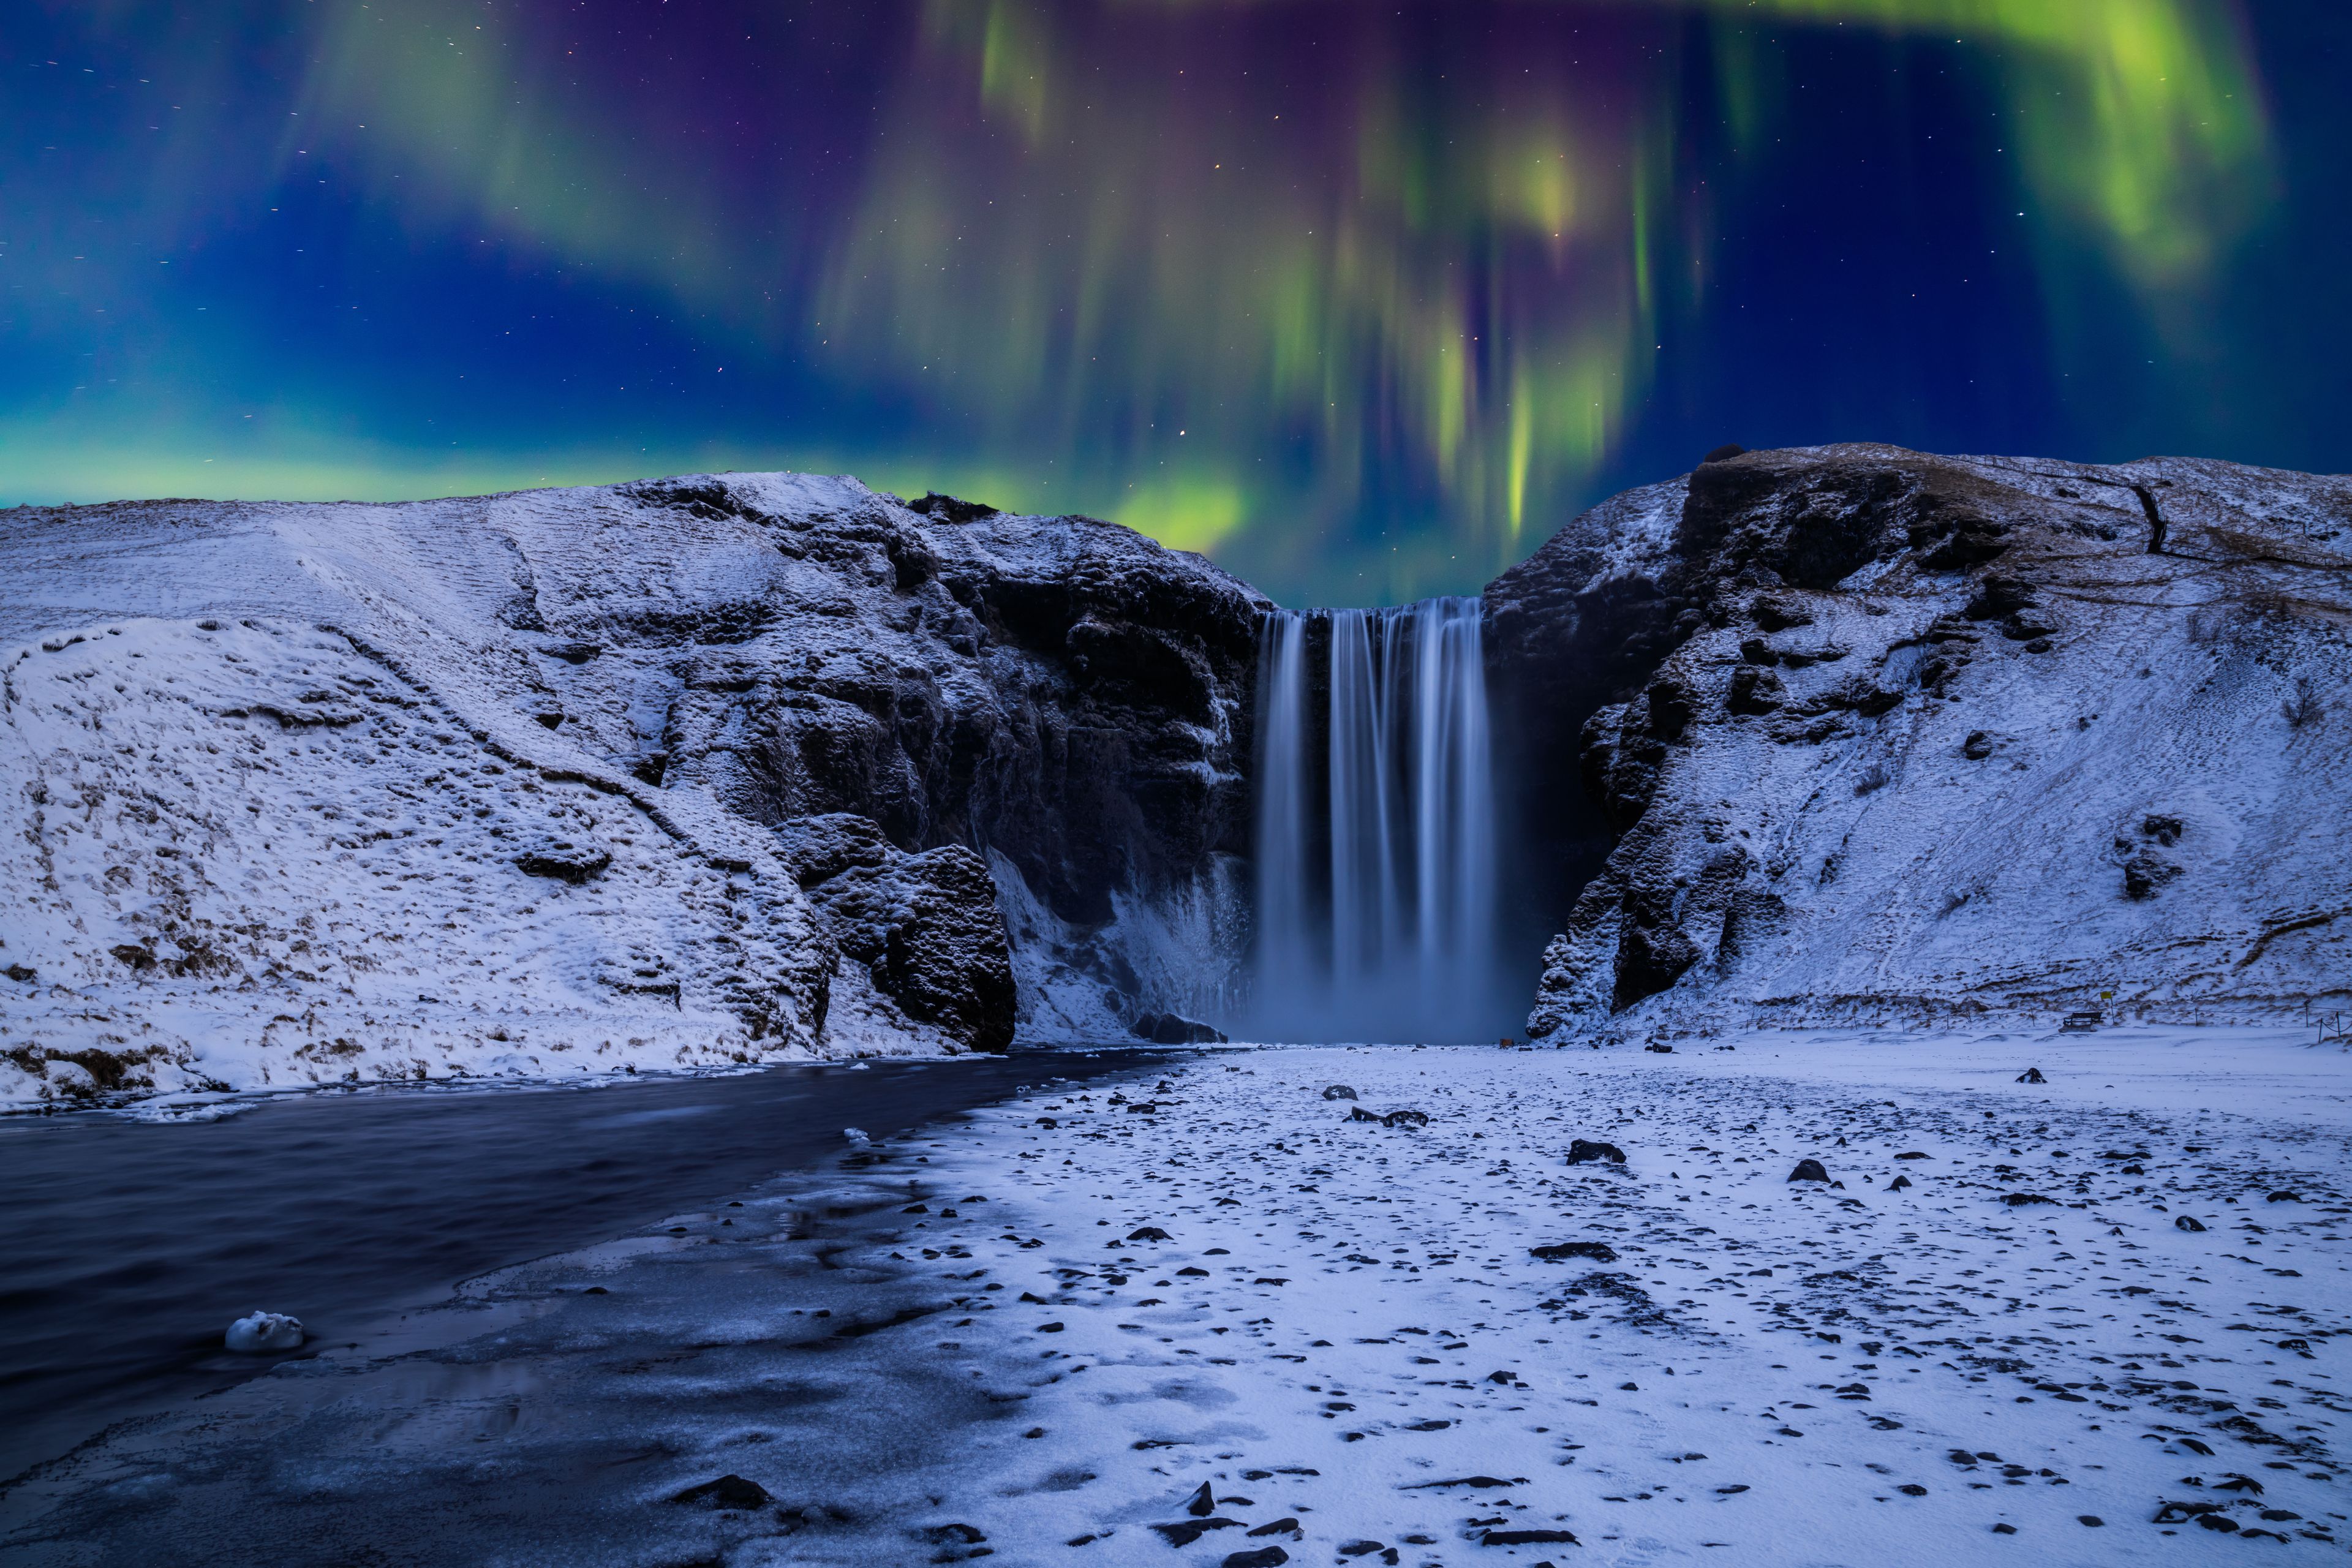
[855, 1134]
[264, 1332]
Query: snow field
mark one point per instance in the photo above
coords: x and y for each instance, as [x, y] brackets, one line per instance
[1345, 1329]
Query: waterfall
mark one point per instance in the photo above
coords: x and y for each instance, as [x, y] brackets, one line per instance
[1375, 914]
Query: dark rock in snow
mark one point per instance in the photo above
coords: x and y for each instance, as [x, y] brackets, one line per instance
[1339, 1091]
[1559, 1251]
[1147, 1233]
[2187, 1222]
[1898, 1183]
[2147, 871]
[1175, 1029]
[1186, 1531]
[1202, 1503]
[1582, 1151]
[2031, 1074]
[1529, 1538]
[1358, 1113]
[731, 1491]
[1808, 1171]
[564, 861]
[1405, 1119]
[1263, 1557]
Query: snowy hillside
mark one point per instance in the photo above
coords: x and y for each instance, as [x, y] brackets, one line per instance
[1946, 735]
[307, 793]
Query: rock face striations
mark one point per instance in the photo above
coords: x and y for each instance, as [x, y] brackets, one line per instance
[1873, 734]
[695, 771]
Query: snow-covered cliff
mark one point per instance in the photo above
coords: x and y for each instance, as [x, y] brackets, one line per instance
[556, 780]
[1898, 735]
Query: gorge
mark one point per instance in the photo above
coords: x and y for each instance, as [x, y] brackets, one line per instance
[726, 768]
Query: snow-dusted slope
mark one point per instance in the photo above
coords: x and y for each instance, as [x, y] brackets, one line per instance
[299, 793]
[1944, 734]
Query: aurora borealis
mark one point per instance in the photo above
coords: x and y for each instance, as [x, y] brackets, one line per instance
[1362, 299]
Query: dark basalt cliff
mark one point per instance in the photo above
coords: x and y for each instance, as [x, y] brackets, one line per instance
[1062, 694]
[704, 770]
[1864, 732]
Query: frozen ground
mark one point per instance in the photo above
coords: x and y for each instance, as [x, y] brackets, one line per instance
[1345, 1336]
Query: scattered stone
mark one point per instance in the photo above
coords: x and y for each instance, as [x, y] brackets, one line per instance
[1202, 1503]
[1582, 1151]
[2187, 1222]
[1284, 1526]
[1405, 1119]
[2022, 1199]
[2031, 1074]
[1808, 1171]
[1529, 1538]
[260, 1333]
[1359, 1114]
[1339, 1091]
[1898, 1183]
[564, 861]
[732, 1493]
[1912, 1488]
[1186, 1531]
[2093, 1520]
[1660, 1047]
[1147, 1233]
[2004, 1530]
[1263, 1557]
[953, 1535]
[2284, 1197]
[1978, 746]
[1911, 1155]
[1559, 1251]
[1483, 1483]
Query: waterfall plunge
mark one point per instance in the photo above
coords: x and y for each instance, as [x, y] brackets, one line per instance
[1376, 878]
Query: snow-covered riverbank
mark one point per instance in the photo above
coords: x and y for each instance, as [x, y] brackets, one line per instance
[1342, 1329]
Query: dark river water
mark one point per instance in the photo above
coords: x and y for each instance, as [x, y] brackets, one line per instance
[126, 1248]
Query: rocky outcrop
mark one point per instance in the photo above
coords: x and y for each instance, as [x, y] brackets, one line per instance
[926, 926]
[524, 782]
[1892, 736]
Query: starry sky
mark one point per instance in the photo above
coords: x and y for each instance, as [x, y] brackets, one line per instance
[1362, 299]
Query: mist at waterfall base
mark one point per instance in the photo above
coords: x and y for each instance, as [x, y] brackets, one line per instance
[1375, 908]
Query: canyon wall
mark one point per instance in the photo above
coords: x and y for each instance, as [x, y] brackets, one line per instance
[1859, 734]
[699, 771]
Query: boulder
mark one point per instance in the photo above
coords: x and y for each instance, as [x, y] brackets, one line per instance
[1808, 1171]
[260, 1333]
[1560, 1251]
[1582, 1151]
[1175, 1029]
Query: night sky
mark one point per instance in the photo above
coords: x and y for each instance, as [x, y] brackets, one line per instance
[1362, 300]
